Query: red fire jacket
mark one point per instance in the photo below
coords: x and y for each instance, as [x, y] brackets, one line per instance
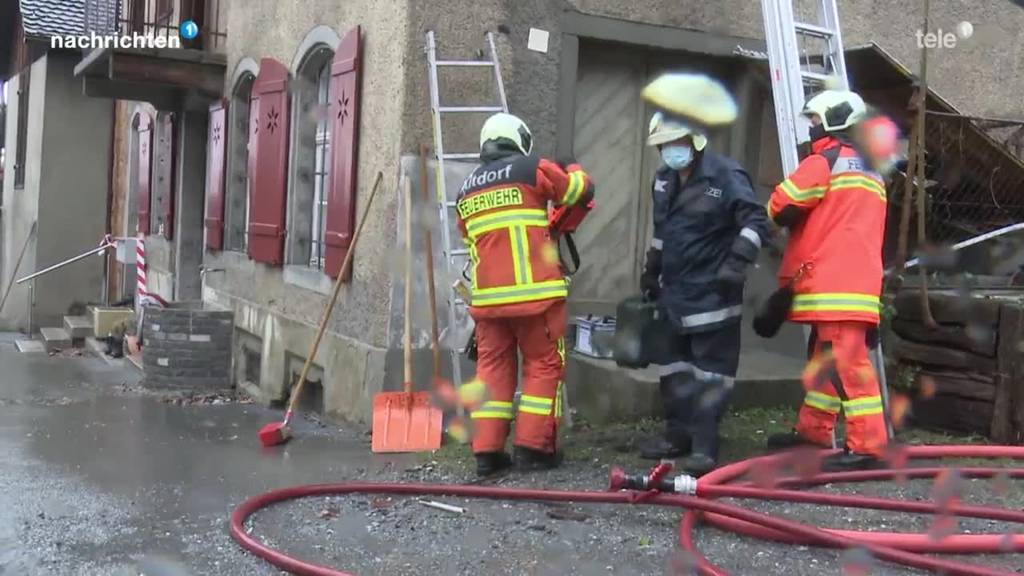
[838, 241]
[502, 214]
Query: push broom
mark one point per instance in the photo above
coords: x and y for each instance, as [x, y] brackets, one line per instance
[278, 432]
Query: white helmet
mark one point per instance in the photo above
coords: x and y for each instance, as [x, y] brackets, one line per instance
[663, 130]
[507, 127]
[838, 109]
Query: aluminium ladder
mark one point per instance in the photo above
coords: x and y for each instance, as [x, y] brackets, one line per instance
[456, 255]
[795, 73]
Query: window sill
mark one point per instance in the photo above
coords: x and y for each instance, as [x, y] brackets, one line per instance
[308, 278]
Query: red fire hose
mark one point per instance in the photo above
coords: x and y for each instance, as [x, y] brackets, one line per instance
[900, 548]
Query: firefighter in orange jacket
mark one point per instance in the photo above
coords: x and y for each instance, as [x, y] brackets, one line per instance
[518, 292]
[835, 206]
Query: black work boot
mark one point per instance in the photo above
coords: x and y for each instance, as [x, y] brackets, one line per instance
[847, 461]
[530, 460]
[791, 439]
[490, 463]
[660, 448]
[697, 464]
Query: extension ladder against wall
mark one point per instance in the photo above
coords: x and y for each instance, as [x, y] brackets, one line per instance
[456, 255]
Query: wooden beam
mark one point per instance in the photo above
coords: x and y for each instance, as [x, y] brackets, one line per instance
[948, 308]
[980, 340]
[187, 75]
[957, 383]
[161, 98]
[1008, 406]
[939, 356]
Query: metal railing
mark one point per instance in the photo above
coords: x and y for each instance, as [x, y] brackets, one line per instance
[160, 18]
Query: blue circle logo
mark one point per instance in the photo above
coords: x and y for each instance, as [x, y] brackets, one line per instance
[189, 30]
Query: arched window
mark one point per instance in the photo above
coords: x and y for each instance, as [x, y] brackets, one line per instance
[310, 149]
[236, 217]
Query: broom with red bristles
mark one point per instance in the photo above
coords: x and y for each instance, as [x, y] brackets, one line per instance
[278, 432]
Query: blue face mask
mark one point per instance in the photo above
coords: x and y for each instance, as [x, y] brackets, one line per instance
[677, 156]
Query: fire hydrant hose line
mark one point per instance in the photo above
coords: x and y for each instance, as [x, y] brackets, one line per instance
[900, 548]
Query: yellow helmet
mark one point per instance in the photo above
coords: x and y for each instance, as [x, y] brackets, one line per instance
[503, 126]
[663, 130]
[694, 97]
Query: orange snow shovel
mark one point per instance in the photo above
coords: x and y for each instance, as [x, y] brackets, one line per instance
[278, 432]
[406, 421]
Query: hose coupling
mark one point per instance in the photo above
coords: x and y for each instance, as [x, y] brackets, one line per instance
[681, 484]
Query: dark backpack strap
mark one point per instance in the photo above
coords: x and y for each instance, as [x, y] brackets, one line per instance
[573, 254]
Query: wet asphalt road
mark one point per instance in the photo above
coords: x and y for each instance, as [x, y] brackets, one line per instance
[99, 478]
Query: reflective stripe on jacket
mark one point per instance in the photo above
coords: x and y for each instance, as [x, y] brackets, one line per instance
[838, 243]
[502, 214]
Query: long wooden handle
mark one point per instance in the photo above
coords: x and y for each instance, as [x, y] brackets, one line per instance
[407, 337]
[334, 297]
[434, 336]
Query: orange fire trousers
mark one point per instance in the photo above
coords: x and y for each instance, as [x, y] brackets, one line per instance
[843, 378]
[540, 339]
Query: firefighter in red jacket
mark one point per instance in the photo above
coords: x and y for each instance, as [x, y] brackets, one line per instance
[835, 206]
[518, 292]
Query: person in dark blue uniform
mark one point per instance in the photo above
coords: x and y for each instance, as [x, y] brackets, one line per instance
[708, 229]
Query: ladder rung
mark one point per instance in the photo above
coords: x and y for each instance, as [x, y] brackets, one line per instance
[460, 252]
[449, 109]
[464, 63]
[814, 76]
[461, 156]
[451, 203]
[813, 30]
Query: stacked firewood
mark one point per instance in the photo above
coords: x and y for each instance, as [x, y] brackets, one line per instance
[968, 364]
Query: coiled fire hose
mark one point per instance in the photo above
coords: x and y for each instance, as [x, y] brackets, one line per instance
[697, 497]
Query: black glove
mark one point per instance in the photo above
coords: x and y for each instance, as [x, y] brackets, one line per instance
[871, 338]
[564, 161]
[650, 280]
[732, 274]
[650, 287]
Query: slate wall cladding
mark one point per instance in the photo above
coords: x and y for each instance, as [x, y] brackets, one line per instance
[187, 347]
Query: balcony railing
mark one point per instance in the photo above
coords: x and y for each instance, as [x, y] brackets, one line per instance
[161, 18]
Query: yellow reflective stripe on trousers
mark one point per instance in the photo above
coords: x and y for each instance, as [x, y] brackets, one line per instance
[514, 294]
[866, 406]
[520, 254]
[494, 409]
[801, 194]
[506, 219]
[822, 402]
[836, 302]
[558, 399]
[575, 188]
[857, 181]
[536, 405]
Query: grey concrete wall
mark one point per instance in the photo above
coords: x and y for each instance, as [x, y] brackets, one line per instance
[73, 191]
[190, 205]
[66, 179]
[20, 205]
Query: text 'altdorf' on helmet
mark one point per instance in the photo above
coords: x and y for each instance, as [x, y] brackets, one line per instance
[838, 109]
[504, 126]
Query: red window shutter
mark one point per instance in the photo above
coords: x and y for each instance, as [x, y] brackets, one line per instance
[346, 72]
[216, 148]
[145, 170]
[165, 171]
[268, 163]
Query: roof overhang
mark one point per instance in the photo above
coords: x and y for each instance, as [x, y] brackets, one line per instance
[170, 79]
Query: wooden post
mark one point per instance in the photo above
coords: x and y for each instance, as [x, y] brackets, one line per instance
[1008, 407]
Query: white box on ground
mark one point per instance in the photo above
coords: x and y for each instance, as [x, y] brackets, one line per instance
[126, 250]
[594, 336]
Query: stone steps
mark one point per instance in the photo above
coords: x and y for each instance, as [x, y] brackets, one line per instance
[55, 339]
[78, 327]
[30, 346]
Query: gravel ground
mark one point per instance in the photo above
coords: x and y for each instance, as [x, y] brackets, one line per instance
[102, 479]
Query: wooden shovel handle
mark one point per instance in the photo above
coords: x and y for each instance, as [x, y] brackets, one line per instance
[407, 337]
[429, 247]
[334, 297]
